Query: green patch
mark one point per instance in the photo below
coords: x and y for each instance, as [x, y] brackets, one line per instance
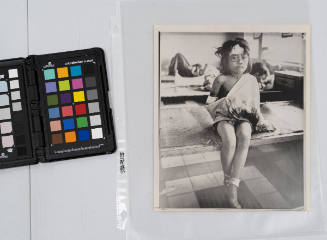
[82, 122]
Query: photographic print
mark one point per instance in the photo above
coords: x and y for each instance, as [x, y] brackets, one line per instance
[231, 117]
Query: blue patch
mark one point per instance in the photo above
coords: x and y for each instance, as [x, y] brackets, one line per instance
[75, 71]
[68, 123]
[83, 135]
[54, 112]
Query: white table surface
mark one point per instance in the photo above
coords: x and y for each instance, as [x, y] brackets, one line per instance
[76, 199]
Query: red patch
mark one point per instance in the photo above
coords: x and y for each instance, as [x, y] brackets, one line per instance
[80, 109]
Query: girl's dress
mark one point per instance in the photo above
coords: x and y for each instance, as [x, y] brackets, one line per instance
[241, 103]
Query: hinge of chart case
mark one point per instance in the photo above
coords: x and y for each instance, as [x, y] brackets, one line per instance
[33, 99]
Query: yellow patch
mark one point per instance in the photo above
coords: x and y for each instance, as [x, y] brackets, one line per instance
[79, 96]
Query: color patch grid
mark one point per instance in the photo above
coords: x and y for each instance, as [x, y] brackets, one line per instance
[73, 104]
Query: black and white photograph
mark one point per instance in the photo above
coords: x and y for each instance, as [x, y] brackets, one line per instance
[231, 117]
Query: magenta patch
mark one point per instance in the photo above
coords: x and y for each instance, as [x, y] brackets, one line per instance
[77, 83]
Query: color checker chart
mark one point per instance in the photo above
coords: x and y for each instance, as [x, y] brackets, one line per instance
[73, 103]
[75, 107]
[54, 107]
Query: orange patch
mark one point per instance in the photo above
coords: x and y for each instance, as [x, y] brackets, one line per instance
[70, 137]
[62, 72]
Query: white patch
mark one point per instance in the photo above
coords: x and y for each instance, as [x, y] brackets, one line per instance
[13, 73]
[96, 133]
[14, 84]
[237, 50]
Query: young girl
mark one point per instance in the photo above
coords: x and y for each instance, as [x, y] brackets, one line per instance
[237, 112]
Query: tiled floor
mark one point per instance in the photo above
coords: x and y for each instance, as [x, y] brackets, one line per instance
[193, 178]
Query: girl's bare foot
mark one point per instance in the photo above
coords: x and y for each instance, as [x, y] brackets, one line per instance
[232, 196]
[232, 185]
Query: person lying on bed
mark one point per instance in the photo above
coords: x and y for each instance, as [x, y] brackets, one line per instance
[180, 64]
[236, 112]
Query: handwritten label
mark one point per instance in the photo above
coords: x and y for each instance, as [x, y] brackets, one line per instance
[122, 162]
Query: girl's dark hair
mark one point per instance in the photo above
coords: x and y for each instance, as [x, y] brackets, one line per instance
[260, 68]
[224, 51]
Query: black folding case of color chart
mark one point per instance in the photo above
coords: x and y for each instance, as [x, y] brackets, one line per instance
[39, 148]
